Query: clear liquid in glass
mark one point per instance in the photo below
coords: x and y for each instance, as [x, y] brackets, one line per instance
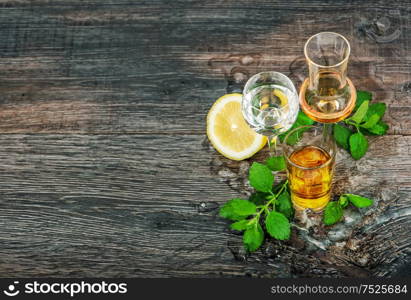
[332, 100]
[270, 109]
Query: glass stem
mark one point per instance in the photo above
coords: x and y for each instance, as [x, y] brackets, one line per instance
[272, 145]
[327, 131]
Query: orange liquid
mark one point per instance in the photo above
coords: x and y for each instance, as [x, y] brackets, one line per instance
[310, 188]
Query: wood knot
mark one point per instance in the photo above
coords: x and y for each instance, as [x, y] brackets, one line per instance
[381, 29]
[246, 60]
[406, 88]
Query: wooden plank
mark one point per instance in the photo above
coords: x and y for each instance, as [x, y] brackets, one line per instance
[137, 192]
[117, 67]
[146, 205]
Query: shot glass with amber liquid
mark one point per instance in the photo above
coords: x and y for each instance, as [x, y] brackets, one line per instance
[310, 157]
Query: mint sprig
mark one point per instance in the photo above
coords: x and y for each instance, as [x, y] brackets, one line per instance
[334, 210]
[365, 120]
[270, 207]
[270, 201]
[351, 133]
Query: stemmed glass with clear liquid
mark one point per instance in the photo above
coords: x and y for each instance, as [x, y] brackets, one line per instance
[270, 105]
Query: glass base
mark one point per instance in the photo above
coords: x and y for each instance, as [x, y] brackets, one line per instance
[327, 117]
[315, 205]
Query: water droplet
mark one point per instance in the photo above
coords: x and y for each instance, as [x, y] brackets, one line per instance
[204, 207]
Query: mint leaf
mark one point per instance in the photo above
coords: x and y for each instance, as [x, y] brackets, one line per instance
[377, 108]
[258, 198]
[240, 225]
[374, 114]
[242, 207]
[379, 129]
[359, 201]
[276, 163]
[278, 226]
[343, 201]
[260, 177]
[253, 237]
[333, 213]
[360, 113]
[303, 119]
[358, 145]
[227, 212]
[372, 121]
[284, 205]
[342, 135]
[361, 97]
[237, 209]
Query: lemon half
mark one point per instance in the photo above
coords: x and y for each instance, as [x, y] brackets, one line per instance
[229, 133]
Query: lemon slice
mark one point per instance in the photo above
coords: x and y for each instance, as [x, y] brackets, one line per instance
[229, 133]
[281, 96]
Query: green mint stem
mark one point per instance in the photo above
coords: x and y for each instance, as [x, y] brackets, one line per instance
[273, 198]
[351, 122]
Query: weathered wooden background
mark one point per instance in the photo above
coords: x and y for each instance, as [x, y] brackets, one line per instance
[105, 169]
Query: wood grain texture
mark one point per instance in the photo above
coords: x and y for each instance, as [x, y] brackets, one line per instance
[115, 66]
[105, 169]
[88, 205]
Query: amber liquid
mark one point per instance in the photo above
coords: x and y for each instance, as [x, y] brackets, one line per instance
[310, 188]
[330, 101]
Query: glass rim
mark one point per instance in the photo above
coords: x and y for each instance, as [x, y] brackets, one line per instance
[332, 155]
[285, 77]
[332, 66]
